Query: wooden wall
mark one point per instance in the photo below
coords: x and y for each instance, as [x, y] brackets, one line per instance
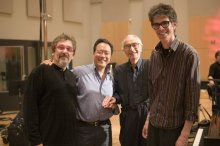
[149, 39]
[203, 37]
[117, 30]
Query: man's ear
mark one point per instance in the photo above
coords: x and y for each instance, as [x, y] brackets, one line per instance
[174, 25]
[74, 52]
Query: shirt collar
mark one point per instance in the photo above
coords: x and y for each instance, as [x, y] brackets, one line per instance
[173, 47]
[58, 68]
[107, 69]
[175, 44]
[138, 65]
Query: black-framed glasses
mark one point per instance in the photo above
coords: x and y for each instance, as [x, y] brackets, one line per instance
[134, 45]
[164, 24]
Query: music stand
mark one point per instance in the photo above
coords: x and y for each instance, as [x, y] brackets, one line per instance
[17, 87]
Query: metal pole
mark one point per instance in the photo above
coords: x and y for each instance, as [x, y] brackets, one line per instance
[40, 58]
[45, 30]
[45, 40]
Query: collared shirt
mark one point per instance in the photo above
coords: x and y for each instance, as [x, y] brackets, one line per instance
[174, 85]
[91, 92]
[129, 89]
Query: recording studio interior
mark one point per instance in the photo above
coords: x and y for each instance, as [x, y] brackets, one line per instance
[28, 27]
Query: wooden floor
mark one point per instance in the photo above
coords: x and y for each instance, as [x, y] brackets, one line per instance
[204, 101]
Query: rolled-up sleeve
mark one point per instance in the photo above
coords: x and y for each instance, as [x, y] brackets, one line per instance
[192, 88]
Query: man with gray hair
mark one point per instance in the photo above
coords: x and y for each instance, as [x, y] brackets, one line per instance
[131, 91]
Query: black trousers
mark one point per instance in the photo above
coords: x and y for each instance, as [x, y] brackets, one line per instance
[215, 98]
[91, 135]
[132, 121]
[162, 137]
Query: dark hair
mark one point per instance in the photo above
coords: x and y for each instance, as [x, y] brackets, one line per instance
[162, 10]
[217, 54]
[63, 37]
[103, 40]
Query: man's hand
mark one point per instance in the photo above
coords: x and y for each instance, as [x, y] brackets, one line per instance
[211, 82]
[145, 129]
[48, 62]
[182, 140]
[109, 102]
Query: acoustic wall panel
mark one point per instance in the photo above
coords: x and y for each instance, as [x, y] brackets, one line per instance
[33, 7]
[6, 6]
[73, 10]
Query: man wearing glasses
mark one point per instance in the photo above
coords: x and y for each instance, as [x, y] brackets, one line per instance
[174, 83]
[50, 98]
[94, 97]
[131, 91]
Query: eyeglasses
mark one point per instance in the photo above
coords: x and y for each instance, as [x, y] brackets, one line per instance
[68, 48]
[134, 45]
[164, 24]
[101, 52]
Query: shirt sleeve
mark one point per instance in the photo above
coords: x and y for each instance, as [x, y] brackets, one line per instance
[212, 70]
[116, 88]
[31, 108]
[192, 89]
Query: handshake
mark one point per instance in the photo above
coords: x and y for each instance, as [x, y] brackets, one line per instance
[109, 102]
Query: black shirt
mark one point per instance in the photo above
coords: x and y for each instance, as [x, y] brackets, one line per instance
[129, 88]
[214, 70]
[49, 106]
